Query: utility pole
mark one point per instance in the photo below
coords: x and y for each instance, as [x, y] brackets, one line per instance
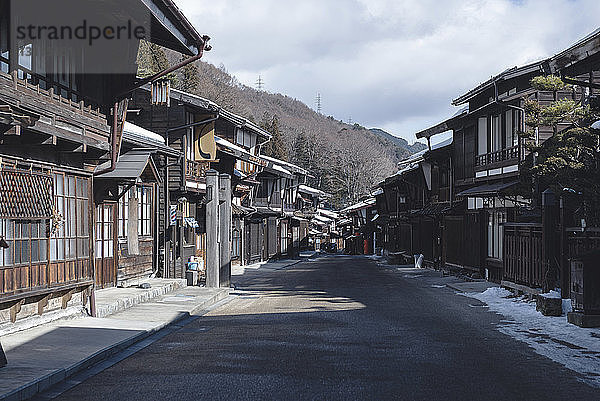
[225, 230]
[318, 102]
[218, 229]
[260, 83]
[212, 229]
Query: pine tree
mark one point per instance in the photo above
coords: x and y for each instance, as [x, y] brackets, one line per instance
[189, 78]
[569, 160]
[278, 148]
[151, 59]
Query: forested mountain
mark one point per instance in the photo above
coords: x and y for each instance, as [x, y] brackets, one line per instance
[403, 149]
[344, 160]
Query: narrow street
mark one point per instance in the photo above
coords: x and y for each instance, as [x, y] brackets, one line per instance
[338, 328]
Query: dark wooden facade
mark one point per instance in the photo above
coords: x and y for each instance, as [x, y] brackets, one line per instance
[55, 129]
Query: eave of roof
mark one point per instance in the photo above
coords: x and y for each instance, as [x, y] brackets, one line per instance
[504, 75]
[444, 125]
[242, 122]
[286, 165]
[580, 50]
[169, 16]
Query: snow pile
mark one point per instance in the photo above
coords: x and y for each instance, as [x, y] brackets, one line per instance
[574, 347]
[492, 294]
[551, 295]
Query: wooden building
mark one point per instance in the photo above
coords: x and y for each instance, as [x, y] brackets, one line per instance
[308, 201]
[359, 228]
[128, 209]
[188, 124]
[290, 207]
[58, 122]
[487, 157]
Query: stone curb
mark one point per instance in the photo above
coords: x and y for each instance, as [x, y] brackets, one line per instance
[43, 383]
[126, 303]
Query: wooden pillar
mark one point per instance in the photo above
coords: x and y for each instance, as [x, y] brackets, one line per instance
[212, 229]
[565, 268]
[550, 213]
[225, 230]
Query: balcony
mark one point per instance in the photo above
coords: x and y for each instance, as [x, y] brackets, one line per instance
[500, 157]
[196, 170]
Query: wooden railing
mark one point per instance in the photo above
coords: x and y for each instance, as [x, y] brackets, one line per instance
[498, 156]
[582, 242]
[195, 170]
[523, 254]
[30, 83]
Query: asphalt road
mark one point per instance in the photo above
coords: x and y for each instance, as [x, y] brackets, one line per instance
[338, 328]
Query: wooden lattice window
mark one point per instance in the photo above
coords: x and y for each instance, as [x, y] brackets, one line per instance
[71, 239]
[27, 242]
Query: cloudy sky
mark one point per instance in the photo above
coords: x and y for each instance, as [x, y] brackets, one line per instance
[392, 64]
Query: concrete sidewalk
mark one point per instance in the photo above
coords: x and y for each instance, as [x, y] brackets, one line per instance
[45, 355]
[273, 265]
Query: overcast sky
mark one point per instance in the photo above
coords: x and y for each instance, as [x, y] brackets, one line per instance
[391, 64]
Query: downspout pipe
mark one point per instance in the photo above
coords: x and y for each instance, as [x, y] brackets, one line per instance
[113, 140]
[204, 46]
[114, 156]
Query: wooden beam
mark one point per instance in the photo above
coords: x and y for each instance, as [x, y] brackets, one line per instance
[15, 309]
[581, 83]
[51, 140]
[42, 303]
[14, 130]
[66, 298]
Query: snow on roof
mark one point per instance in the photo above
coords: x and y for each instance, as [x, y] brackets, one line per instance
[412, 162]
[229, 145]
[379, 191]
[311, 191]
[279, 168]
[360, 205]
[441, 144]
[322, 219]
[328, 213]
[142, 133]
[284, 163]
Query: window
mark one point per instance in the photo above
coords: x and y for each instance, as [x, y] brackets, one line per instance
[104, 231]
[482, 136]
[496, 137]
[495, 233]
[508, 129]
[27, 242]
[143, 194]
[71, 240]
[144, 211]
[245, 139]
[284, 227]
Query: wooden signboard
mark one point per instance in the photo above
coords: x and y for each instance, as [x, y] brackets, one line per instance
[206, 149]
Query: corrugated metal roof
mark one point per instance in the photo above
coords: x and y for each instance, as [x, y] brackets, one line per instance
[130, 166]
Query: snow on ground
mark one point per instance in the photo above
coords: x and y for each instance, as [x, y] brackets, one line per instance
[575, 348]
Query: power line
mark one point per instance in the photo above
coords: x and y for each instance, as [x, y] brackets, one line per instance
[318, 102]
[260, 83]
